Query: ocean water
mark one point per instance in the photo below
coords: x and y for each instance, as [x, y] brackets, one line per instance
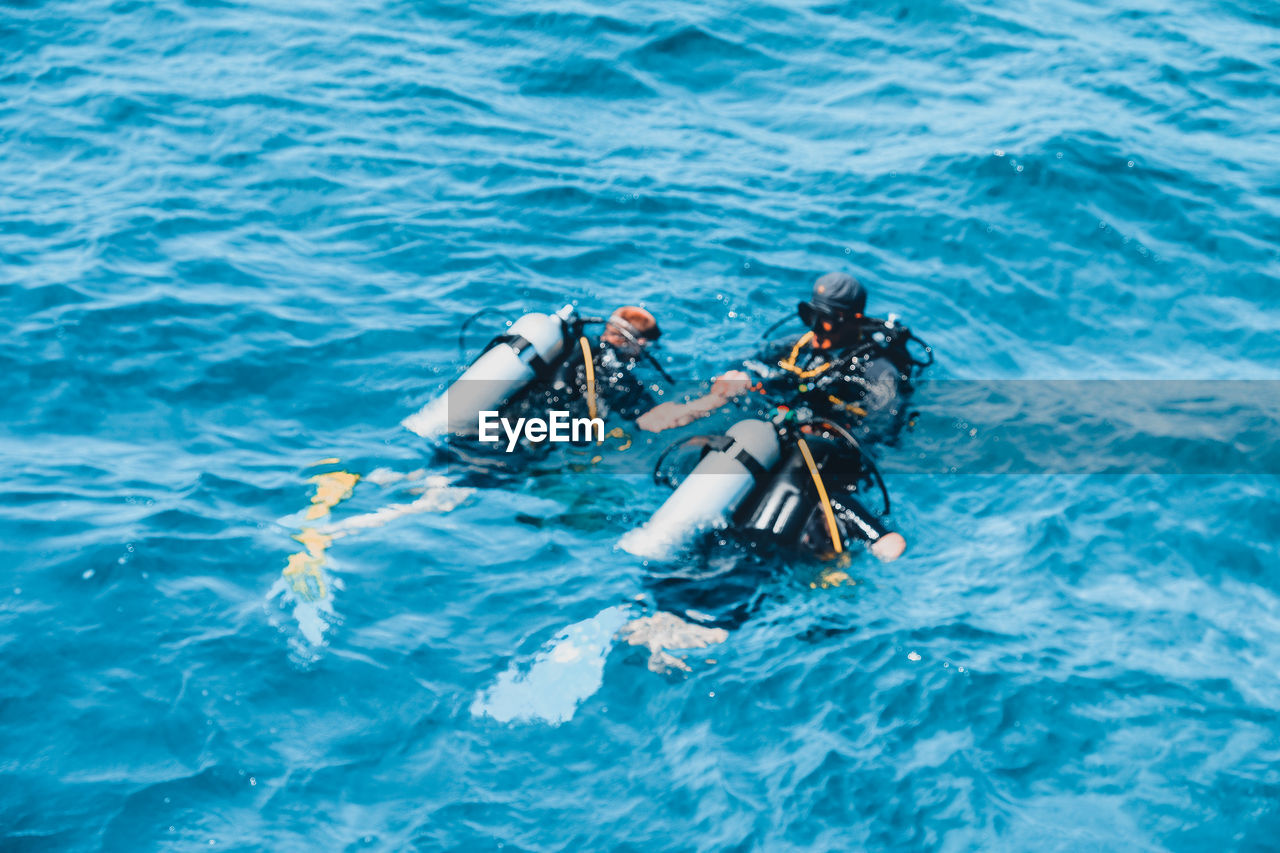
[237, 239]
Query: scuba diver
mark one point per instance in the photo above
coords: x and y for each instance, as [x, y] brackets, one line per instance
[826, 393]
[542, 362]
[607, 384]
[546, 360]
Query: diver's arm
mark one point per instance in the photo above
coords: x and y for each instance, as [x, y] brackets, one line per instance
[885, 544]
[671, 415]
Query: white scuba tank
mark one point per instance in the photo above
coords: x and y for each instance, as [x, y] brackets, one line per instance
[496, 376]
[709, 495]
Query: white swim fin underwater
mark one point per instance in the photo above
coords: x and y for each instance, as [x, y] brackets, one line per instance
[565, 672]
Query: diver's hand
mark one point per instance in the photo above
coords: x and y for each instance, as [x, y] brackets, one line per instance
[889, 547]
[732, 384]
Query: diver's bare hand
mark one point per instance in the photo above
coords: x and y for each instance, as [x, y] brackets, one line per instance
[889, 547]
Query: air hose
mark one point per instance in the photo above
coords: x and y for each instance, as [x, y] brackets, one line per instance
[591, 375]
[824, 500]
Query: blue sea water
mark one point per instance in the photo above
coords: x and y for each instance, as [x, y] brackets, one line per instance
[239, 238]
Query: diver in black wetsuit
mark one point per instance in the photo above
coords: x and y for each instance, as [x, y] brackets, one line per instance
[848, 368]
[588, 379]
[843, 383]
[610, 386]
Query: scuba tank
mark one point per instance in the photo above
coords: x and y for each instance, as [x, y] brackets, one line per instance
[787, 502]
[533, 346]
[710, 494]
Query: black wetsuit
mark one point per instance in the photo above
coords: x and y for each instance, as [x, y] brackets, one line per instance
[619, 393]
[618, 390]
[860, 388]
[863, 390]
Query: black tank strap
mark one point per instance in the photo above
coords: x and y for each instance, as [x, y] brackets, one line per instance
[750, 463]
[724, 442]
[527, 353]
